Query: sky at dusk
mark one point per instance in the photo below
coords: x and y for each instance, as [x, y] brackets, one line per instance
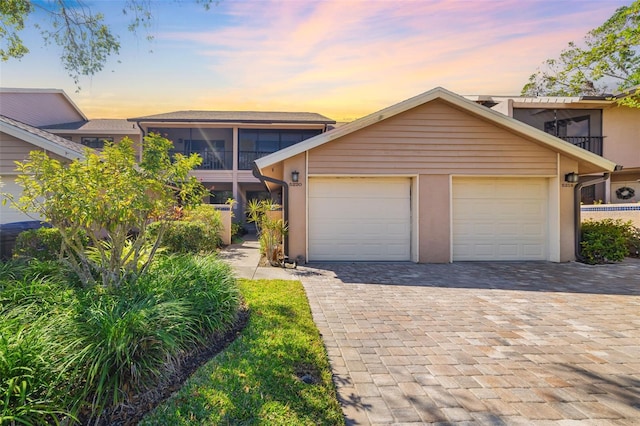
[343, 59]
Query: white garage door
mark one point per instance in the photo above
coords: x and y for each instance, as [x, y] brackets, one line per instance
[359, 219]
[500, 219]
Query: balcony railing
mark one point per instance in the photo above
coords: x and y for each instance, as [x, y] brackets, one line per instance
[246, 158]
[590, 143]
[212, 160]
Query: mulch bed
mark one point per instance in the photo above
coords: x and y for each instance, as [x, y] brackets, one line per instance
[131, 413]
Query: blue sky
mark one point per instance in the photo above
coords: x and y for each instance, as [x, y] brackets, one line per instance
[343, 59]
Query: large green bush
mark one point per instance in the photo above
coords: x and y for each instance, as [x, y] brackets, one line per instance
[69, 351]
[606, 240]
[42, 243]
[197, 231]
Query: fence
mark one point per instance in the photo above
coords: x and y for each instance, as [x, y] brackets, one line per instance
[625, 212]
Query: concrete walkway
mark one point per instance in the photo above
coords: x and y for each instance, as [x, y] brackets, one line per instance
[244, 258]
[475, 343]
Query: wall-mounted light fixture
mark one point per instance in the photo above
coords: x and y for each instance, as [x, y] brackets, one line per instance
[295, 175]
[571, 177]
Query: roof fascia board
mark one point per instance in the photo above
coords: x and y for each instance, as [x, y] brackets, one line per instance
[73, 104]
[230, 121]
[39, 141]
[454, 99]
[348, 128]
[91, 132]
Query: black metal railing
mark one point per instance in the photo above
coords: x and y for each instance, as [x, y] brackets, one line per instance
[212, 160]
[590, 143]
[246, 158]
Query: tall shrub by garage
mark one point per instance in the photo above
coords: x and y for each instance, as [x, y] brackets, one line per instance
[606, 240]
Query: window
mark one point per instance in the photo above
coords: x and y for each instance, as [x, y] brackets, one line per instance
[256, 143]
[96, 143]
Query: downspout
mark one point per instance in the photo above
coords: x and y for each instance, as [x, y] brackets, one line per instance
[285, 201]
[576, 210]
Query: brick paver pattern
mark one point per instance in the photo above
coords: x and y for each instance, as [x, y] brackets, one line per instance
[481, 343]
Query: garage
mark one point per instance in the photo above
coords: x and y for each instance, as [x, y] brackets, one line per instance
[359, 219]
[500, 219]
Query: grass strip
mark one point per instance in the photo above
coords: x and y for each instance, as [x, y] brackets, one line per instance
[276, 372]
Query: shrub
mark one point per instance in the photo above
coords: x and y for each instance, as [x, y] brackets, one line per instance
[197, 231]
[42, 244]
[605, 240]
[212, 220]
[237, 230]
[183, 237]
[634, 242]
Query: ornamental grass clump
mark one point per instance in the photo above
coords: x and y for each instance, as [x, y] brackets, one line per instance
[68, 352]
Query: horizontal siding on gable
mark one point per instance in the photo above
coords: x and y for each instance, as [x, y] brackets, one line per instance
[12, 149]
[433, 138]
[38, 109]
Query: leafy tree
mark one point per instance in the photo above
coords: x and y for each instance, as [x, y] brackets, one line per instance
[111, 200]
[608, 61]
[86, 41]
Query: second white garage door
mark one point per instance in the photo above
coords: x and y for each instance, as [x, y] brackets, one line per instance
[359, 219]
[500, 219]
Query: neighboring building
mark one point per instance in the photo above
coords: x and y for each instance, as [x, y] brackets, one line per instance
[595, 123]
[94, 133]
[47, 119]
[230, 141]
[436, 178]
[39, 107]
[52, 110]
[17, 140]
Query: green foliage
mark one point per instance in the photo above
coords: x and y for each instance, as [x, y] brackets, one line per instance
[12, 16]
[237, 229]
[606, 240]
[256, 380]
[197, 231]
[211, 218]
[68, 351]
[183, 237]
[42, 243]
[633, 242]
[271, 230]
[610, 54]
[106, 196]
[31, 293]
[85, 40]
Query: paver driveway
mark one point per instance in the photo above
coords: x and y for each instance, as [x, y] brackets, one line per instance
[481, 343]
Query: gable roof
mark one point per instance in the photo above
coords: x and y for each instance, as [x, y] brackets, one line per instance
[41, 138]
[592, 163]
[51, 92]
[98, 126]
[265, 117]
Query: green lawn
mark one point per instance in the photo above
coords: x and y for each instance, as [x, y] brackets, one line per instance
[257, 379]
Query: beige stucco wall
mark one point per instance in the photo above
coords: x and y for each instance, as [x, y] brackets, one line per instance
[621, 126]
[434, 223]
[566, 209]
[297, 206]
